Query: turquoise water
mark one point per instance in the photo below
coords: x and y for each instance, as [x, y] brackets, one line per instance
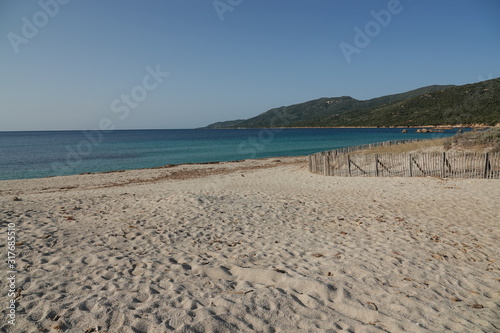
[55, 153]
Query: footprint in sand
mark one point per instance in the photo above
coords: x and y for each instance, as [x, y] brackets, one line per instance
[88, 305]
[189, 305]
[110, 287]
[141, 298]
[117, 319]
[142, 327]
[165, 284]
[136, 271]
[36, 315]
[89, 260]
[31, 269]
[50, 296]
[25, 254]
[109, 276]
[175, 322]
[307, 301]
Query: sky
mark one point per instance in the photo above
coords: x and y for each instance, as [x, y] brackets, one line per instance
[91, 64]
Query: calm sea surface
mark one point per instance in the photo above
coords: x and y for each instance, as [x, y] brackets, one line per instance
[55, 153]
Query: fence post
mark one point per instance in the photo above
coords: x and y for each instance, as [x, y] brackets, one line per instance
[443, 165]
[486, 165]
[328, 163]
[411, 165]
[349, 164]
[376, 165]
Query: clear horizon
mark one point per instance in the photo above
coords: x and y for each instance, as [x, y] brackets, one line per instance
[82, 65]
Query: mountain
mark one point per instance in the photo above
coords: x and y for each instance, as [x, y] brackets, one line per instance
[226, 124]
[432, 105]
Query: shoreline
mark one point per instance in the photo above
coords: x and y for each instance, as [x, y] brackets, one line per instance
[257, 128]
[167, 166]
[145, 175]
[196, 163]
[439, 128]
[361, 127]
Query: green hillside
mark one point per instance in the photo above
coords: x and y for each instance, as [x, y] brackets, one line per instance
[433, 105]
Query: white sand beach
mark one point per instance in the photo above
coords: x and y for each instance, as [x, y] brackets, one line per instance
[252, 246]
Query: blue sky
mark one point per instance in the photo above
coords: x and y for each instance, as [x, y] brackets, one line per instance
[87, 55]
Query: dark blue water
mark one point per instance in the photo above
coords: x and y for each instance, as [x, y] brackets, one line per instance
[55, 153]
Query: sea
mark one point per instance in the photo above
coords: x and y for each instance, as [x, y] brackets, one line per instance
[57, 153]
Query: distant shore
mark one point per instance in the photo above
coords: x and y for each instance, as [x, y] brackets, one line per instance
[475, 126]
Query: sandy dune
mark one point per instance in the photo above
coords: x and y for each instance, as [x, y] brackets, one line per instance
[259, 246]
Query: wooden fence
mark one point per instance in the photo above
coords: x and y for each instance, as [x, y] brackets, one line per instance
[346, 162]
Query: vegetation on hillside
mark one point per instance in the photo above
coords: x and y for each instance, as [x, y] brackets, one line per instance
[477, 103]
[464, 105]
